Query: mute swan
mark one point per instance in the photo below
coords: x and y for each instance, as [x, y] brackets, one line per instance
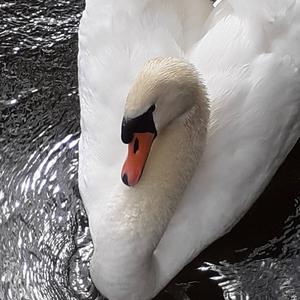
[248, 59]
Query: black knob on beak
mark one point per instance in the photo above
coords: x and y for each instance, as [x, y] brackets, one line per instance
[140, 124]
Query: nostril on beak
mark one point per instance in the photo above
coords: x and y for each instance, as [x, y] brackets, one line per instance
[136, 145]
[125, 179]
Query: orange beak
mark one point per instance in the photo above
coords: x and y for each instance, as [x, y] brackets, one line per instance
[138, 151]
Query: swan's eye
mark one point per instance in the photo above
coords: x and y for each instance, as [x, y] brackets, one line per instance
[152, 108]
[136, 146]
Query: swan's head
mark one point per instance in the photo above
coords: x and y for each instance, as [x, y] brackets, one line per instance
[163, 91]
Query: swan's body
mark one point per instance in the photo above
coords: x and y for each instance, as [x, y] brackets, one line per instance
[249, 62]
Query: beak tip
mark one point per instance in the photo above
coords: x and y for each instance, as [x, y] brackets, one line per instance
[125, 179]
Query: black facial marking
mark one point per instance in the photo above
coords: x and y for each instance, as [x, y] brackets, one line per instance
[140, 124]
[136, 146]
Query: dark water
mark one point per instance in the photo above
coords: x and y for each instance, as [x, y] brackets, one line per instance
[45, 244]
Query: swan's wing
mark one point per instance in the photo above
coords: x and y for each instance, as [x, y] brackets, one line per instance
[182, 19]
[251, 68]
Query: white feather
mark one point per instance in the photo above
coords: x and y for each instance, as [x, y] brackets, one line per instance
[249, 59]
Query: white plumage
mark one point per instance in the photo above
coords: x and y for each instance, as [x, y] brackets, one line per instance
[248, 57]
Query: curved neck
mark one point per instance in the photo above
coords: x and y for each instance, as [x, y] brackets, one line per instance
[133, 220]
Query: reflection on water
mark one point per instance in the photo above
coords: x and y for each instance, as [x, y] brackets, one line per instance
[45, 244]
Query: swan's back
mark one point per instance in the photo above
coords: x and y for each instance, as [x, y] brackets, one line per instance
[250, 61]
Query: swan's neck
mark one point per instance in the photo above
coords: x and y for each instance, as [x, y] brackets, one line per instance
[133, 220]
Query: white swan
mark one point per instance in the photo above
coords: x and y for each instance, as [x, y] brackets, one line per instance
[248, 59]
